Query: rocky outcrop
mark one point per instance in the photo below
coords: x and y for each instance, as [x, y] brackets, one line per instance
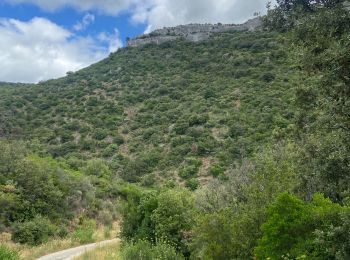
[191, 32]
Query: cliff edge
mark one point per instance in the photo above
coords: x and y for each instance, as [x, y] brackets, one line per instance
[191, 32]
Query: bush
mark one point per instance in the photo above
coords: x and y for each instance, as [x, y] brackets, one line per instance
[190, 169]
[217, 170]
[268, 77]
[293, 226]
[192, 184]
[8, 254]
[33, 232]
[143, 250]
[214, 237]
[85, 233]
[174, 216]
[100, 134]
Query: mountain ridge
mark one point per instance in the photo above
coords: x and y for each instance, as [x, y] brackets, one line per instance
[193, 32]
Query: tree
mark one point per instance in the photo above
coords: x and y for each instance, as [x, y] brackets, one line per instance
[284, 228]
[33, 232]
[285, 14]
[174, 217]
[292, 226]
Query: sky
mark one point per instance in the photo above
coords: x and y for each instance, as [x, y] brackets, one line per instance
[44, 39]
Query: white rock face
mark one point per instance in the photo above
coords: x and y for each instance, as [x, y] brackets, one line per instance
[347, 5]
[191, 32]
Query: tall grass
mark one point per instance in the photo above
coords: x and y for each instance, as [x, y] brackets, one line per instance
[108, 252]
[33, 252]
[144, 250]
[7, 253]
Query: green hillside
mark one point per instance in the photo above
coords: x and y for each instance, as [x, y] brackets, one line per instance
[175, 108]
[232, 148]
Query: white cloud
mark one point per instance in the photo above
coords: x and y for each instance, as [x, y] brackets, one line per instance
[111, 7]
[112, 39]
[85, 22]
[39, 49]
[160, 13]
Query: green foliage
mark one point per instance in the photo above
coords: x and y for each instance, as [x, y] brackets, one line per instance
[174, 216]
[84, 234]
[333, 240]
[233, 210]
[190, 169]
[155, 112]
[144, 250]
[287, 12]
[265, 112]
[287, 225]
[34, 189]
[150, 215]
[97, 167]
[291, 225]
[213, 237]
[322, 120]
[40, 186]
[192, 184]
[217, 170]
[8, 254]
[136, 213]
[33, 232]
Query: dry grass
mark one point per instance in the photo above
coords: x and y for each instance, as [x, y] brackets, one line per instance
[108, 252]
[47, 248]
[31, 253]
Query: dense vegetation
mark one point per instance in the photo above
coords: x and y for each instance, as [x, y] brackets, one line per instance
[202, 108]
[232, 148]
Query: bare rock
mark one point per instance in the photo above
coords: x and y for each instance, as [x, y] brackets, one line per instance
[191, 32]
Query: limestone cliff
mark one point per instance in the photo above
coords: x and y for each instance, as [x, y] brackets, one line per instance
[191, 32]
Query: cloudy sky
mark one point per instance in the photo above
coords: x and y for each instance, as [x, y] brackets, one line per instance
[43, 39]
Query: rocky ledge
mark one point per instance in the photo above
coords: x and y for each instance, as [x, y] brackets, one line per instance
[191, 32]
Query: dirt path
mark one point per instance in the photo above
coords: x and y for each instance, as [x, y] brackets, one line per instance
[71, 253]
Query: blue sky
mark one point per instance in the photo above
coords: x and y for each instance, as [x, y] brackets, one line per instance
[67, 17]
[43, 39]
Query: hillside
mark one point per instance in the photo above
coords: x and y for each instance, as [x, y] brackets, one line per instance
[232, 147]
[179, 108]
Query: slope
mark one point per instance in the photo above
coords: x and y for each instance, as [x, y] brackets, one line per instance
[159, 111]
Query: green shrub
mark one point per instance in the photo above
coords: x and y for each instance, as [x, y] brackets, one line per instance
[192, 184]
[188, 171]
[214, 237]
[85, 232]
[144, 250]
[268, 77]
[163, 250]
[33, 232]
[100, 134]
[8, 254]
[191, 169]
[140, 250]
[292, 227]
[174, 216]
[217, 170]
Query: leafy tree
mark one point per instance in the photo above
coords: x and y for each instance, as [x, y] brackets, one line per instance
[286, 13]
[137, 212]
[213, 237]
[173, 217]
[291, 225]
[33, 232]
[287, 225]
